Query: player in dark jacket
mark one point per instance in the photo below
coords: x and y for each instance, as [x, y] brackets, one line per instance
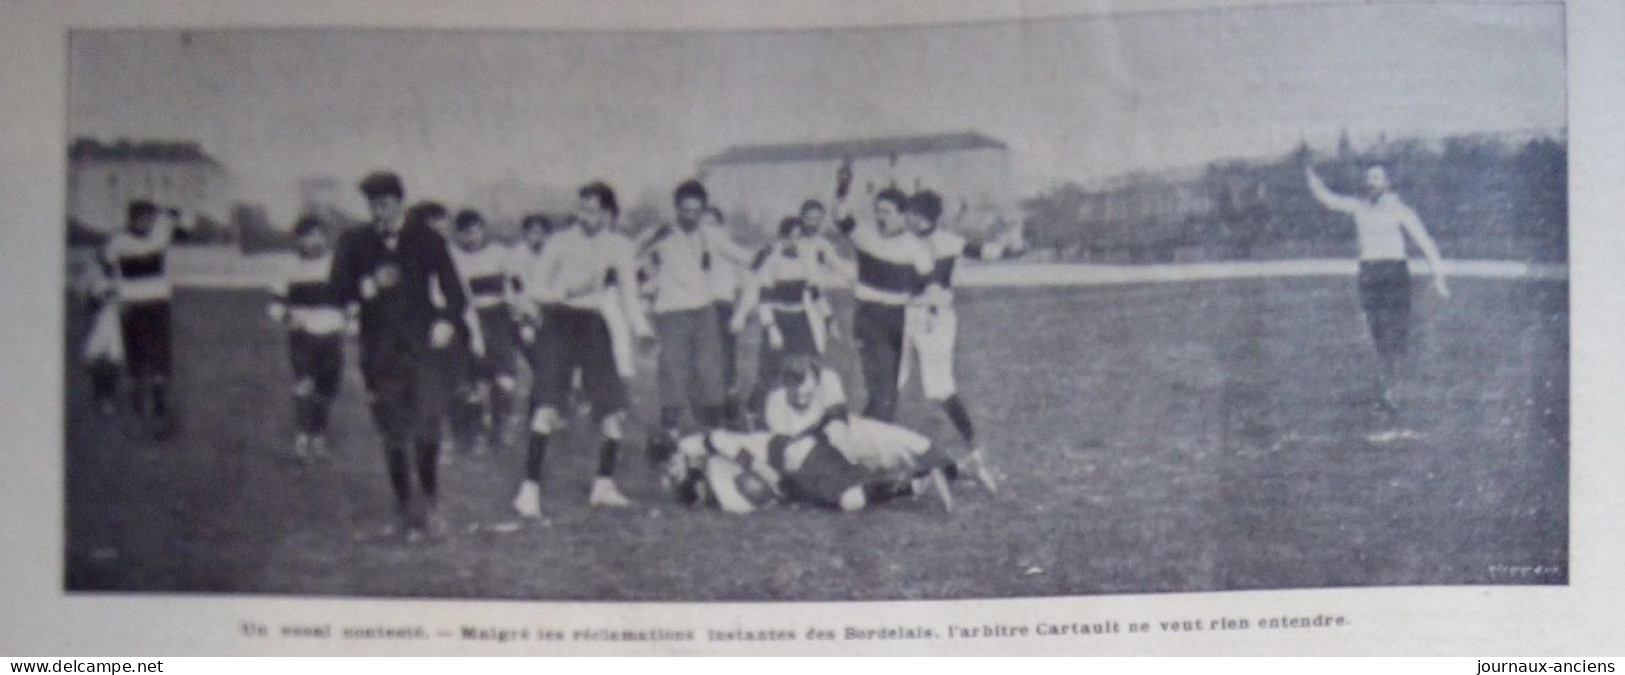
[386, 269]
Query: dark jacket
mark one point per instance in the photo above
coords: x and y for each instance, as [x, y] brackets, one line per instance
[402, 311]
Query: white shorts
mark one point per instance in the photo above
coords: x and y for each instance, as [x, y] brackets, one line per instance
[930, 337]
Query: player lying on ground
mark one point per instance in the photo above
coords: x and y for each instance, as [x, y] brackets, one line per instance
[814, 452]
[303, 299]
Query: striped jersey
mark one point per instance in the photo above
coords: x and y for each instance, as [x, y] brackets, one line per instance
[786, 269]
[487, 273]
[305, 290]
[138, 263]
[891, 267]
[784, 419]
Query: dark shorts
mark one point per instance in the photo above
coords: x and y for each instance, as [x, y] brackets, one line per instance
[145, 326]
[823, 477]
[318, 358]
[572, 340]
[500, 333]
[878, 329]
[1385, 294]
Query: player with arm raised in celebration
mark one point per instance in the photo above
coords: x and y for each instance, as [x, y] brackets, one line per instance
[586, 287]
[892, 266]
[487, 270]
[1381, 223]
[932, 324]
[534, 231]
[304, 300]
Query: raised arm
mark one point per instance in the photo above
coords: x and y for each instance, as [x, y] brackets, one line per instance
[1412, 225]
[1327, 198]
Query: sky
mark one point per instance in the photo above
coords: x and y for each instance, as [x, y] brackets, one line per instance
[457, 112]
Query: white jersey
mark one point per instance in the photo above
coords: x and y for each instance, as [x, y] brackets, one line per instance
[578, 269]
[691, 269]
[787, 420]
[139, 263]
[1379, 224]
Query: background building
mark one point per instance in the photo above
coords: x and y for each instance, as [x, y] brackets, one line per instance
[103, 178]
[757, 185]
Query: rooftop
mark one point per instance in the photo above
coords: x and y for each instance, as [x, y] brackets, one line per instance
[125, 150]
[853, 149]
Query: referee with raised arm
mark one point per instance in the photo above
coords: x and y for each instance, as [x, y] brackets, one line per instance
[1381, 223]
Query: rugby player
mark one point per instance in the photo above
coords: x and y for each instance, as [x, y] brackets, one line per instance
[782, 298]
[1381, 223]
[136, 259]
[727, 292]
[587, 292]
[931, 323]
[304, 301]
[387, 269]
[487, 273]
[892, 265]
[679, 259]
[814, 452]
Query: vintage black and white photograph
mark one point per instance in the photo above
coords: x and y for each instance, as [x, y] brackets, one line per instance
[1175, 301]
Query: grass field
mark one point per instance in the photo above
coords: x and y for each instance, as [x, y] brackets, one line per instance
[1158, 437]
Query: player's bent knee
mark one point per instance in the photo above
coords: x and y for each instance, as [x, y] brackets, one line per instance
[304, 387]
[853, 500]
[507, 383]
